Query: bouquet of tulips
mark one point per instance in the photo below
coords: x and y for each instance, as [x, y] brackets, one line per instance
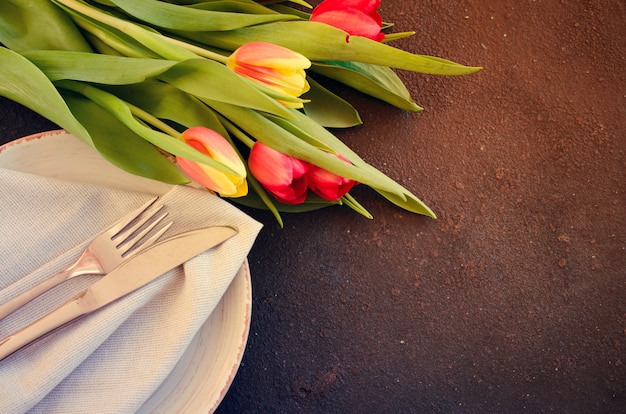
[226, 94]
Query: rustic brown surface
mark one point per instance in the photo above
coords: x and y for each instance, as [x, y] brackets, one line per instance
[514, 299]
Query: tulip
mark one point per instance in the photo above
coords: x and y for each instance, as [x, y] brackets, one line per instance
[217, 147]
[357, 17]
[273, 66]
[328, 185]
[281, 175]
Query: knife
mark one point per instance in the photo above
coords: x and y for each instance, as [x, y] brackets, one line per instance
[128, 277]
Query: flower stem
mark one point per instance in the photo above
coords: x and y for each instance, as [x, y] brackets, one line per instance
[151, 40]
[148, 118]
[196, 49]
[239, 134]
[111, 40]
[152, 120]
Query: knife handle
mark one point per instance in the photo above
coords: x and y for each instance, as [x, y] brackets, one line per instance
[60, 316]
[21, 300]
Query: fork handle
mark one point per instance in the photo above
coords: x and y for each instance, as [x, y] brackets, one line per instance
[58, 317]
[32, 293]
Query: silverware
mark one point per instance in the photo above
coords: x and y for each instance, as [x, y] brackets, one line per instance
[105, 252]
[129, 276]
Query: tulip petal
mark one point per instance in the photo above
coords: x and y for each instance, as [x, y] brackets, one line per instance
[365, 5]
[207, 176]
[328, 185]
[356, 17]
[281, 175]
[269, 55]
[353, 21]
[296, 193]
[217, 147]
[369, 7]
[273, 66]
[289, 82]
[269, 166]
[213, 144]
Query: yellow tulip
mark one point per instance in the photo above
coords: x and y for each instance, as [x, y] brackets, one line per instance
[273, 66]
[217, 147]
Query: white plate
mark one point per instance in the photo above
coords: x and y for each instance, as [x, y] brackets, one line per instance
[206, 370]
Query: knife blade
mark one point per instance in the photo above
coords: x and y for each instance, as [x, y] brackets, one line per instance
[128, 277]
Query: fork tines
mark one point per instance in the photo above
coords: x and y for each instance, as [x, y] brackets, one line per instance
[129, 233]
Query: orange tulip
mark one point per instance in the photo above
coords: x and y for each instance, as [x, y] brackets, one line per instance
[281, 175]
[217, 147]
[273, 66]
[357, 17]
[328, 185]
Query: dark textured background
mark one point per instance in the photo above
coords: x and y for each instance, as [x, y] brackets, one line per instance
[514, 299]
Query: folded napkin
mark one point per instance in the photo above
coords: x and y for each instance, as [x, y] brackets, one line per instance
[113, 359]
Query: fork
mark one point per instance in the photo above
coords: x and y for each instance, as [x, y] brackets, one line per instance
[104, 253]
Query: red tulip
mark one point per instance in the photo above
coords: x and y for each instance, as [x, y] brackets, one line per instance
[357, 17]
[215, 146]
[273, 66]
[327, 185]
[281, 175]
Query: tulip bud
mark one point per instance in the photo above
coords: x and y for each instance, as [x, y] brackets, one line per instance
[273, 66]
[281, 175]
[357, 17]
[217, 147]
[328, 185]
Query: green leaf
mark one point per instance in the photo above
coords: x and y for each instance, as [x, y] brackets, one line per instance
[384, 185]
[109, 40]
[24, 83]
[355, 205]
[300, 2]
[258, 198]
[147, 37]
[328, 109]
[321, 42]
[397, 36]
[120, 110]
[212, 80]
[177, 17]
[390, 189]
[97, 68]
[101, 47]
[412, 203]
[378, 81]
[295, 129]
[286, 142]
[275, 136]
[165, 101]
[233, 6]
[290, 10]
[312, 203]
[121, 146]
[38, 24]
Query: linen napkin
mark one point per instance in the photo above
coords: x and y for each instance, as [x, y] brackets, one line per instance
[113, 359]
